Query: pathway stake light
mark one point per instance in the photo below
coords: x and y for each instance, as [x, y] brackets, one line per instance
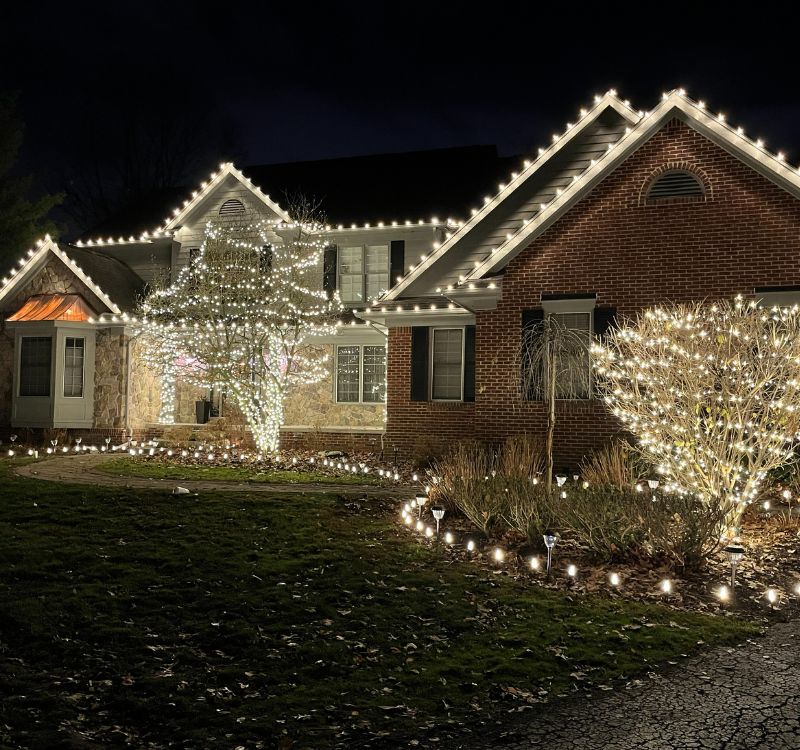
[549, 542]
[438, 514]
[734, 552]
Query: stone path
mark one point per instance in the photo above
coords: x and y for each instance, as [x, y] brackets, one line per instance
[81, 468]
[743, 698]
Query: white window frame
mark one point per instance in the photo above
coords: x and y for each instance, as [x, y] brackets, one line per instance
[360, 348]
[364, 299]
[431, 363]
[575, 306]
[49, 394]
[83, 368]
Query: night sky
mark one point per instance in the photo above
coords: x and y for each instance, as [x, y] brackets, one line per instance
[264, 82]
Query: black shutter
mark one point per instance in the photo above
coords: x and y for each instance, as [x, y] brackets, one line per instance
[419, 363]
[397, 261]
[603, 319]
[530, 320]
[329, 270]
[469, 363]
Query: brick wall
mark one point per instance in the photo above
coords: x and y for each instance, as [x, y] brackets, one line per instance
[745, 234]
[418, 428]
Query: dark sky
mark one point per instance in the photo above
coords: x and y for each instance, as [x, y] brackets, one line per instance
[279, 82]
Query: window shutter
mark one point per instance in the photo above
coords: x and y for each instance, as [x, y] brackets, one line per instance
[419, 363]
[530, 319]
[397, 261]
[329, 270]
[265, 259]
[469, 363]
[603, 319]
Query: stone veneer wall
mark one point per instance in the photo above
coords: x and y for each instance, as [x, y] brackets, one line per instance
[315, 406]
[145, 388]
[6, 374]
[110, 373]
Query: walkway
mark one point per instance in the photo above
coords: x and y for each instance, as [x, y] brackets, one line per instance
[82, 468]
[744, 698]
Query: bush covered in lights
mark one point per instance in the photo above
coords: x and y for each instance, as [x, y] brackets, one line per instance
[241, 317]
[711, 392]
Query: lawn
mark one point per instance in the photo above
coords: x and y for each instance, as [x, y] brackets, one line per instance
[155, 469]
[271, 621]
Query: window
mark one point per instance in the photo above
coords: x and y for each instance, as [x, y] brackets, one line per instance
[573, 379]
[360, 374]
[231, 207]
[194, 254]
[73, 367]
[34, 367]
[363, 272]
[447, 357]
[675, 186]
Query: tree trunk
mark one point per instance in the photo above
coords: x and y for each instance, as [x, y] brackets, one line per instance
[551, 412]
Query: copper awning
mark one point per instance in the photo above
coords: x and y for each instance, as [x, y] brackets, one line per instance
[55, 307]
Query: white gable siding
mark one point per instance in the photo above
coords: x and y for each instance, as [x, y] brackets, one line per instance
[191, 234]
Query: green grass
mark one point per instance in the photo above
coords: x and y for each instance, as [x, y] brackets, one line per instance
[219, 621]
[153, 469]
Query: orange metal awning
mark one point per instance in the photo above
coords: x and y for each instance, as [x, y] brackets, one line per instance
[55, 307]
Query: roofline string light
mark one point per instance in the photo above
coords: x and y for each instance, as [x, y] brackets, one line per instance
[546, 153]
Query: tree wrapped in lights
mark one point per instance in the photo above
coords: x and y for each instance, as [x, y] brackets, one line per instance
[711, 392]
[242, 317]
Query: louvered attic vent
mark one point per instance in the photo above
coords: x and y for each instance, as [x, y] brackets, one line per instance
[676, 186]
[231, 208]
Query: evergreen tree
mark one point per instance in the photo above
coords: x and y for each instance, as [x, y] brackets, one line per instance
[22, 219]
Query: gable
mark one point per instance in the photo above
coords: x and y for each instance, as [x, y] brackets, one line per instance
[744, 233]
[440, 264]
[52, 277]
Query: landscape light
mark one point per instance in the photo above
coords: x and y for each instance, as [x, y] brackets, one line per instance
[448, 538]
[498, 554]
[614, 579]
[549, 542]
[534, 563]
[666, 586]
[734, 553]
[572, 571]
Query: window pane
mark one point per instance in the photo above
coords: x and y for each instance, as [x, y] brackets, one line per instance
[73, 367]
[377, 270]
[446, 380]
[573, 378]
[347, 374]
[34, 369]
[351, 288]
[377, 284]
[350, 259]
[374, 374]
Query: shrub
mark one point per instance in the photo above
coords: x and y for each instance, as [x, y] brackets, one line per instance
[465, 480]
[617, 465]
[681, 528]
[521, 457]
[528, 509]
[601, 517]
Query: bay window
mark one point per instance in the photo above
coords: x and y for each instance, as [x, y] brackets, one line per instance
[34, 365]
[73, 367]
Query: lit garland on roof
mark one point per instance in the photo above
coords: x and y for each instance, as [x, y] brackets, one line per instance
[711, 392]
[240, 317]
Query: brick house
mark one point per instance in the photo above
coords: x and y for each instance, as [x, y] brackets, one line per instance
[624, 210]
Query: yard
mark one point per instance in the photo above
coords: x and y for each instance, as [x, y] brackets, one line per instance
[290, 621]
